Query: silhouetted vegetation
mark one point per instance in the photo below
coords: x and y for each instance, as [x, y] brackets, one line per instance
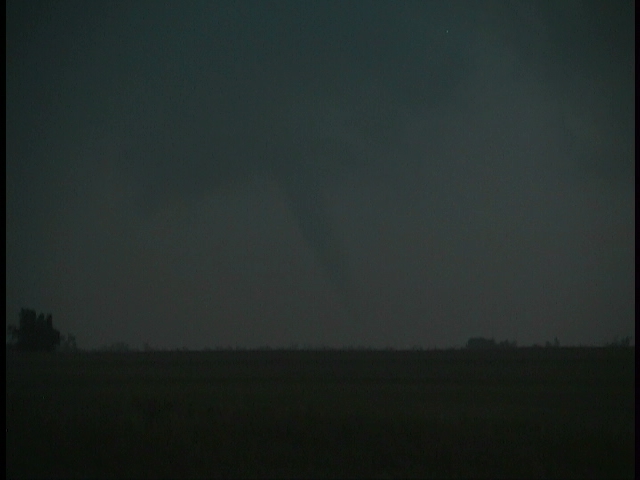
[480, 343]
[555, 344]
[120, 347]
[35, 333]
[623, 342]
[68, 343]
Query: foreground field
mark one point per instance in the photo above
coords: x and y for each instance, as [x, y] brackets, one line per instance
[540, 413]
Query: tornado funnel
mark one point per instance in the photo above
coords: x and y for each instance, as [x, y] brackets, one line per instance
[305, 198]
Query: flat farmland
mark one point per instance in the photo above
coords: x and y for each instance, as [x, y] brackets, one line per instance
[526, 412]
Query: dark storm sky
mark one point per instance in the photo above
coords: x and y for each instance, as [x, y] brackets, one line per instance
[344, 173]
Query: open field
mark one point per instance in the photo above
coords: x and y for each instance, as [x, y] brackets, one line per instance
[543, 413]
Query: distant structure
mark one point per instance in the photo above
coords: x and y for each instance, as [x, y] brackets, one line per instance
[34, 333]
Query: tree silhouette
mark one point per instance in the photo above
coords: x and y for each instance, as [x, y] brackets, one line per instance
[620, 342]
[34, 333]
[480, 343]
[68, 343]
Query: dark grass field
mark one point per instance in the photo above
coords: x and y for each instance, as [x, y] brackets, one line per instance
[529, 413]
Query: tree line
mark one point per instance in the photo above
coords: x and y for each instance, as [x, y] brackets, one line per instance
[35, 333]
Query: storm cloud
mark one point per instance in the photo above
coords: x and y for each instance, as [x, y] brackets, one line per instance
[208, 173]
